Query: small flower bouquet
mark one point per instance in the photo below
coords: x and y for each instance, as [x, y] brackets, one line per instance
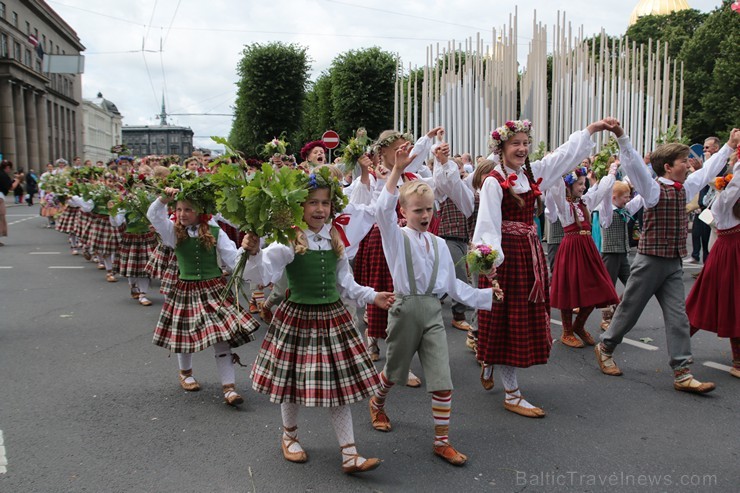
[135, 202]
[481, 259]
[275, 146]
[357, 147]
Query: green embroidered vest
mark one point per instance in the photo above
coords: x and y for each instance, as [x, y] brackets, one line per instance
[196, 262]
[312, 278]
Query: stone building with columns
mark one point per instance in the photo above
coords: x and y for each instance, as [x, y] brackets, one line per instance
[40, 113]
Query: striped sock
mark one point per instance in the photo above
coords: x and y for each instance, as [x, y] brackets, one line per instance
[385, 386]
[441, 409]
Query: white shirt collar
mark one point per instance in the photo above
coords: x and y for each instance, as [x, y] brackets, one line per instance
[324, 234]
[665, 180]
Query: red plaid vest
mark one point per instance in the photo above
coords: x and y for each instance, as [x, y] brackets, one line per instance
[665, 225]
[453, 223]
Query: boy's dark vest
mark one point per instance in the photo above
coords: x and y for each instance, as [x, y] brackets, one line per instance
[665, 226]
[615, 238]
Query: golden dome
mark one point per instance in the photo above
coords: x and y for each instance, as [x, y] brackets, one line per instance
[657, 7]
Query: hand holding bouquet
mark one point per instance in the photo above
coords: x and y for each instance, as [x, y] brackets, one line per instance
[481, 259]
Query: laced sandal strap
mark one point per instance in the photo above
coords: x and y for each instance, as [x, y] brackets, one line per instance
[290, 430]
[342, 447]
[510, 397]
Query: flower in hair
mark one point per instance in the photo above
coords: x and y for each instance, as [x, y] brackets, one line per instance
[508, 130]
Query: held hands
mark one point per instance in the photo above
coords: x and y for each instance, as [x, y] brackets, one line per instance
[609, 123]
[251, 243]
[442, 153]
[437, 131]
[384, 300]
[613, 168]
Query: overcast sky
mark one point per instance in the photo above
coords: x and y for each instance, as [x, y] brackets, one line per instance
[201, 41]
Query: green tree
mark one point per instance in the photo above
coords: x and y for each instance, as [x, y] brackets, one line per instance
[675, 28]
[362, 91]
[712, 76]
[271, 94]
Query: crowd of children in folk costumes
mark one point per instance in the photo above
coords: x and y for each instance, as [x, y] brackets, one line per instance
[313, 354]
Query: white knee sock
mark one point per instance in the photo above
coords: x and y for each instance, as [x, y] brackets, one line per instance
[223, 362]
[289, 411]
[107, 261]
[143, 284]
[132, 282]
[185, 361]
[508, 375]
[341, 420]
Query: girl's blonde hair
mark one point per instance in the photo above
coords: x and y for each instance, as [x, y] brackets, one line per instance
[483, 169]
[161, 172]
[204, 232]
[300, 245]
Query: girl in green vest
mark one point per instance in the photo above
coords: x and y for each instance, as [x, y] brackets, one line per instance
[312, 354]
[193, 317]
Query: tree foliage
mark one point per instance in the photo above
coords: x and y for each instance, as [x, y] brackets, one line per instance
[675, 28]
[362, 90]
[271, 93]
[712, 76]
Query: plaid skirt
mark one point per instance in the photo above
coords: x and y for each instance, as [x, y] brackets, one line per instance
[162, 265]
[68, 220]
[82, 227]
[312, 355]
[371, 269]
[515, 332]
[193, 318]
[103, 238]
[134, 253]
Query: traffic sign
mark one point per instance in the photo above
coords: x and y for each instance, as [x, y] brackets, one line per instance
[330, 139]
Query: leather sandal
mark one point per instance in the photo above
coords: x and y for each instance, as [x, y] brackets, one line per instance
[413, 381]
[461, 325]
[606, 362]
[487, 383]
[511, 403]
[585, 336]
[378, 418]
[230, 396]
[135, 293]
[193, 386]
[144, 301]
[735, 372]
[571, 341]
[448, 453]
[349, 465]
[110, 277]
[286, 441]
[693, 386]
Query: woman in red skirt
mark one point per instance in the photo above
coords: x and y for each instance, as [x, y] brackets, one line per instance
[193, 316]
[714, 301]
[579, 277]
[516, 333]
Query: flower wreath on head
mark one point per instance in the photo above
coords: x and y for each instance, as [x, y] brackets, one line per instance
[390, 139]
[508, 130]
[573, 176]
[322, 178]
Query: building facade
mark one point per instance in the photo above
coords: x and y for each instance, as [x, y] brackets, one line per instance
[101, 129]
[40, 117]
[146, 140]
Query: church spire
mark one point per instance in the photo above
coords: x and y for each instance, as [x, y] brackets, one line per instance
[163, 115]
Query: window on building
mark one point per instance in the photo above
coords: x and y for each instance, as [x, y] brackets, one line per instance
[43, 41]
[2, 10]
[28, 27]
[17, 51]
[38, 66]
[174, 150]
[14, 19]
[27, 58]
[4, 45]
[36, 33]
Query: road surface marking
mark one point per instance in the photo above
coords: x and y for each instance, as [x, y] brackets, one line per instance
[21, 220]
[44, 253]
[66, 267]
[21, 215]
[6, 266]
[717, 366]
[3, 459]
[639, 344]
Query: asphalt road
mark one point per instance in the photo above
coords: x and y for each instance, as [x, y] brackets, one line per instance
[89, 404]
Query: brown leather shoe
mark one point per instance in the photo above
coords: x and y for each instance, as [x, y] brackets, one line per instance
[585, 336]
[487, 383]
[190, 387]
[285, 442]
[694, 386]
[606, 362]
[735, 372]
[413, 381]
[230, 396]
[512, 403]
[461, 325]
[349, 465]
[378, 418]
[448, 453]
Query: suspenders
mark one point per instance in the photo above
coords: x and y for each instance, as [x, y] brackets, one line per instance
[410, 267]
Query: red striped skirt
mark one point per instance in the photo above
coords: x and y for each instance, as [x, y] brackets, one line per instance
[312, 355]
[162, 265]
[82, 227]
[516, 332]
[193, 318]
[68, 219]
[714, 301]
[103, 237]
[371, 269]
[134, 254]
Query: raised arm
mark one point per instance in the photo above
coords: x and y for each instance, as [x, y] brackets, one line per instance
[447, 181]
[157, 215]
[700, 178]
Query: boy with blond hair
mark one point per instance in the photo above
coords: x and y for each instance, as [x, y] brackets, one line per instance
[422, 271]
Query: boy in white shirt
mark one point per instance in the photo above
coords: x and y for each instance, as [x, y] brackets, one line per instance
[422, 272]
